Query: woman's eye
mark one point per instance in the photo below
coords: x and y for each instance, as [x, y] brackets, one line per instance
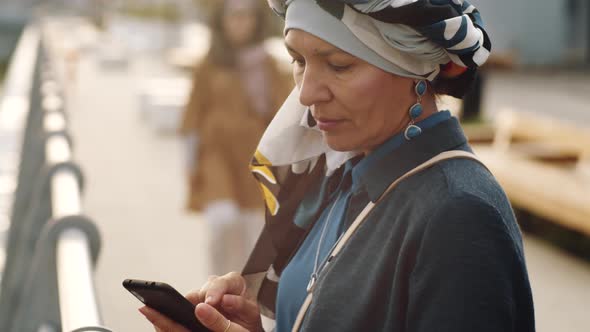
[298, 62]
[339, 68]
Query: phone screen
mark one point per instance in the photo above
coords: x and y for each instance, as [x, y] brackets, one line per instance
[167, 300]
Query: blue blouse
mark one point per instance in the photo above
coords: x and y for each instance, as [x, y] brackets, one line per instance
[296, 275]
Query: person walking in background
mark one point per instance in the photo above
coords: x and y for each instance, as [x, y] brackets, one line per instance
[236, 90]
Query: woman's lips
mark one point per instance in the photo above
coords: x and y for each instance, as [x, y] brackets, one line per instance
[328, 124]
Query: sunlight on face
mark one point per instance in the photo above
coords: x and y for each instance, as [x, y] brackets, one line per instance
[357, 105]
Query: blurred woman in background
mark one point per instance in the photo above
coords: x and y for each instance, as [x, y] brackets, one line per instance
[236, 90]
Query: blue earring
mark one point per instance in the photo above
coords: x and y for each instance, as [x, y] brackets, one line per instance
[415, 111]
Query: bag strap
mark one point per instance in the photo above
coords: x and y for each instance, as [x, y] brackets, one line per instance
[453, 154]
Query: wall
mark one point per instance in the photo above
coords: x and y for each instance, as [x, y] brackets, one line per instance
[540, 31]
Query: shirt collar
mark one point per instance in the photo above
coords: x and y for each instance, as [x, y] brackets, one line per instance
[395, 157]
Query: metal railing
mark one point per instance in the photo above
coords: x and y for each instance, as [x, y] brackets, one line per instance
[48, 278]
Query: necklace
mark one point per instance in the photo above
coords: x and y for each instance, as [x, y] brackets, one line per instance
[317, 269]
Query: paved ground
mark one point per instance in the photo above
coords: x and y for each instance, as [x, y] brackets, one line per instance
[135, 193]
[561, 288]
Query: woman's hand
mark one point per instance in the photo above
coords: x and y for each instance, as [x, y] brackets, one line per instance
[221, 307]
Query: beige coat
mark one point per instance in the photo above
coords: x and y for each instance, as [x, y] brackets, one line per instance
[229, 129]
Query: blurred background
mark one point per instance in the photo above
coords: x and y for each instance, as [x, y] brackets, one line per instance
[92, 93]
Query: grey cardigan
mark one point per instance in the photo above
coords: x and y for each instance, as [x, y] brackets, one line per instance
[441, 252]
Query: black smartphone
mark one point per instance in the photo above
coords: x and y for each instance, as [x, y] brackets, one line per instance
[167, 300]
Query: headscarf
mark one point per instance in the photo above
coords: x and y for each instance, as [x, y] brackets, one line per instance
[251, 62]
[410, 38]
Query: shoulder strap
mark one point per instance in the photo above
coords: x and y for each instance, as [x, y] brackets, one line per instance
[453, 154]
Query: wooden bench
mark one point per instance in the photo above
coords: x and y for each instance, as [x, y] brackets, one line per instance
[543, 165]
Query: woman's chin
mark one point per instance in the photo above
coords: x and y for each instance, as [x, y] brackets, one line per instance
[339, 144]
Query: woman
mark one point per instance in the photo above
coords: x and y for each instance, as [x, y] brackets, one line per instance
[379, 217]
[237, 89]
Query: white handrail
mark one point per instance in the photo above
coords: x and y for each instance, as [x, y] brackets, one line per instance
[57, 150]
[14, 107]
[14, 104]
[77, 297]
[51, 102]
[54, 122]
[65, 194]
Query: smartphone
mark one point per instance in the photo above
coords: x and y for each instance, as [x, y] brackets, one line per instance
[167, 300]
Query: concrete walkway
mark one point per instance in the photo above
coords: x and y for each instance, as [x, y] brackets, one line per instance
[135, 192]
[561, 288]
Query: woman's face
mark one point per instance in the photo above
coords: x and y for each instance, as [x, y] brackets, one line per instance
[239, 26]
[357, 106]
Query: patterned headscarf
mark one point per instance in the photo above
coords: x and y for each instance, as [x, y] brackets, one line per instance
[410, 38]
[445, 35]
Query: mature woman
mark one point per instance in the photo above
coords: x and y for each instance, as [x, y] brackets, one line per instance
[379, 217]
[236, 91]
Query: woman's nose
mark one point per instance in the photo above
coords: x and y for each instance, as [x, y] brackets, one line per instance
[313, 88]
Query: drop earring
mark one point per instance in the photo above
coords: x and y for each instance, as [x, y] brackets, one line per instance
[415, 111]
